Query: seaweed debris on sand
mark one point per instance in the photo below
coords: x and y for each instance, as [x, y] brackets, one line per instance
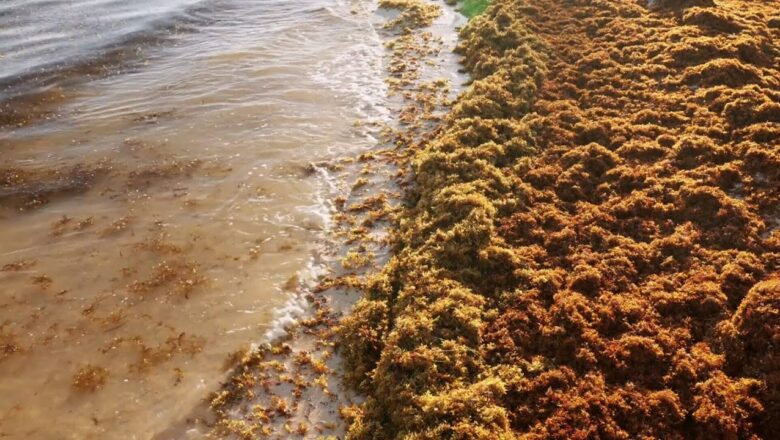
[590, 246]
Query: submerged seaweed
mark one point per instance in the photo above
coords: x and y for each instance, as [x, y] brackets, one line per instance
[26, 189]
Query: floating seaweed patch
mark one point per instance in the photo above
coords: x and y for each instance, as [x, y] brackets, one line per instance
[90, 378]
[117, 226]
[167, 169]
[43, 281]
[150, 357]
[28, 188]
[9, 344]
[19, 265]
[179, 278]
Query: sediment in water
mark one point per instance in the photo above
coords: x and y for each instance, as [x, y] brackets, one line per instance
[589, 248]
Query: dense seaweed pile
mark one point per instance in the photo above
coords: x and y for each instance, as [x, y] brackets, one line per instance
[592, 245]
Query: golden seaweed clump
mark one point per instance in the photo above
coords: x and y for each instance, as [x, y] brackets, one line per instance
[591, 243]
[90, 378]
[413, 13]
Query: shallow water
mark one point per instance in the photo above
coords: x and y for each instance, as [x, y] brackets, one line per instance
[153, 220]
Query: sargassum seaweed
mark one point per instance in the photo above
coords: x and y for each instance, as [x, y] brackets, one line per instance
[590, 247]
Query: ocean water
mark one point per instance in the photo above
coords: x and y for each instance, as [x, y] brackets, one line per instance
[163, 189]
[41, 37]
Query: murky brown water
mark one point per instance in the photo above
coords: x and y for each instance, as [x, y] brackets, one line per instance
[152, 222]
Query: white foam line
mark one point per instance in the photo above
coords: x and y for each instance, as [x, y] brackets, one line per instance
[296, 306]
[360, 72]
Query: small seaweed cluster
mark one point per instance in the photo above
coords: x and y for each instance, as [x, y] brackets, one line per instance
[27, 108]
[90, 378]
[150, 357]
[591, 248]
